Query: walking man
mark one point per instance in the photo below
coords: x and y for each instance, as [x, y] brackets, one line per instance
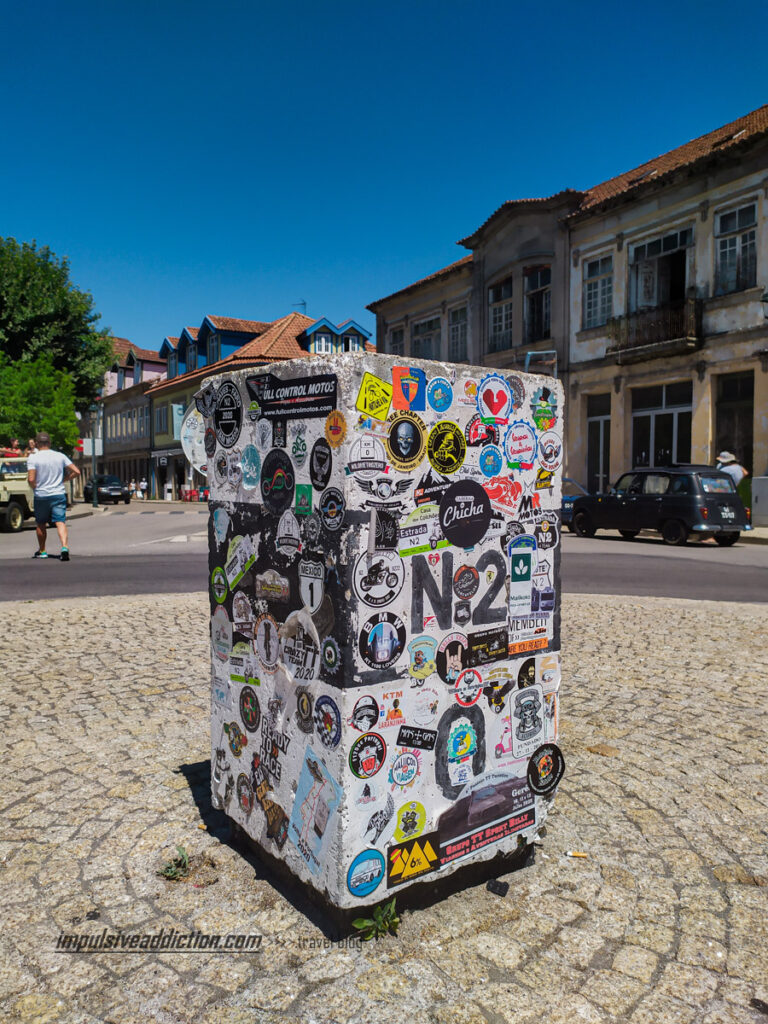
[48, 471]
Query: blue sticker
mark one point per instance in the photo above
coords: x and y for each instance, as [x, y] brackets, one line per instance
[251, 465]
[491, 460]
[440, 394]
[365, 873]
[327, 721]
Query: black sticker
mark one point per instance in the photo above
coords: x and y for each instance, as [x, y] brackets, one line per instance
[367, 755]
[210, 442]
[320, 464]
[228, 414]
[365, 713]
[488, 645]
[279, 434]
[526, 676]
[466, 582]
[451, 657]
[331, 508]
[277, 481]
[545, 769]
[304, 397]
[382, 640]
[462, 613]
[465, 513]
[250, 712]
[304, 708]
[430, 489]
[205, 401]
[386, 531]
[479, 434]
[413, 736]
[546, 531]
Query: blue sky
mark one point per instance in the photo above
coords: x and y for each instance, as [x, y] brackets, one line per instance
[238, 158]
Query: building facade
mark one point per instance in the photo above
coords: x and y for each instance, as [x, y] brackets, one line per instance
[646, 294]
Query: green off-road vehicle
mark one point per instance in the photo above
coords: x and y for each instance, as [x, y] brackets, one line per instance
[16, 496]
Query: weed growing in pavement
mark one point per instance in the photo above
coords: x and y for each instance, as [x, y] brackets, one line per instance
[384, 920]
[176, 868]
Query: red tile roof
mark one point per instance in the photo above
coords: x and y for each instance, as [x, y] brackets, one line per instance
[445, 272]
[722, 140]
[192, 332]
[122, 347]
[229, 323]
[173, 342]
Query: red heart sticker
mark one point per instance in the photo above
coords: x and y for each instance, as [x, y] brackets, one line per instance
[433, 559]
[494, 401]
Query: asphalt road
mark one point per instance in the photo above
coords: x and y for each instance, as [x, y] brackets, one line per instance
[158, 550]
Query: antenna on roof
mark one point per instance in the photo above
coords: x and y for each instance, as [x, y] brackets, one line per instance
[303, 304]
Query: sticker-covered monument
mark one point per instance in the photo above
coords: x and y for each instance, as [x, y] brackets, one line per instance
[385, 614]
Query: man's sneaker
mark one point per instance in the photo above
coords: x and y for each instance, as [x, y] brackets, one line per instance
[40, 554]
[65, 554]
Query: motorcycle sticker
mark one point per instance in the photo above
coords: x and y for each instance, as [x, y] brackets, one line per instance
[405, 769]
[386, 531]
[491, 461]
[228, 414]
[382, 640]
[279, 434]
[405, 441]
[466, 582]
[242, 614]
[420, 532]
[367, 458]
[374, 397]
[317, 797]
[263, 435]
[309, 397]
[331, 655]
[430, 489]
[422, 651]
[415, 736]
[545, 531]
[446, 447]
[469, 686]
[250, 712]
[288, 540]
[332, 509]
[378, 821]
[378, 578]
[327, 721]
[271, 586]
[320, 464]
[311, 584]
[237, 738]
[545, 769]
[299, 443]
[300, 652]
[440, 394]
[412, 859]
[277, 481]
[550, 450]
[410, 821]
[365, 714]
[478, 434]
[367, 755]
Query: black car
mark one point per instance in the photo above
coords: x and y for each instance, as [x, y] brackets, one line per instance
[108, 488]
[572, 490]
[675, 500]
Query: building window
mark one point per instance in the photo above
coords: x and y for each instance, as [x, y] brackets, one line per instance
[661, 424]
[173, 365]
[323, 344]
[214, 348]
[397, 342]
[659, 270]
[598, 291]
[736, 249]
[457, 335]
[500, 316]
[192, 358]
[351, 343]
[426, 339]
[538, 293]
[120, 379]
[146, 421]
[161, 419]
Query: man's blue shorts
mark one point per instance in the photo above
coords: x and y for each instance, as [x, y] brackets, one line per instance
[51, 509]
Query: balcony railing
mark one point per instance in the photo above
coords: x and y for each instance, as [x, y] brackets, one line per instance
[665, 330]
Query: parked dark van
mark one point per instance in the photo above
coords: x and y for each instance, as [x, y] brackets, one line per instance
[675, 500]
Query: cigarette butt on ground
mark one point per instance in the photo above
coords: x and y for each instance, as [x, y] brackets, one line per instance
[575, 853]
[203, 827]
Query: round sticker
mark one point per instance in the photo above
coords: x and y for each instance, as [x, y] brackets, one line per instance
[221, 634]
[378, 578]
[494, 399]
[251, 466]
[221, 467]
[479, 434]
[288, 540]
[367, 458]
[469, 686]
[237, 738]
[312, 526]
[327, 721]
[250, 712]
[550, 450]
[332, 509]
[382, 640]
[277, 481]
[466, 582]
[219, 585]
[234, 468]
[366, 872]
[228, 414]
[266, 642]
[209, 442]
[320, 464]
[520, 445]
[411, 819]
[404, 769]
[545, 769]
[440, 393]
[405, 440]
[452, 656]
[299, 444]
[193, 438]
[491, 461]
[244, 793]
[330, 654]
[335, 428]
[465, 513]
[367, 755]
[446, 447]
[365, 713]
[304, 709]
[263, 435]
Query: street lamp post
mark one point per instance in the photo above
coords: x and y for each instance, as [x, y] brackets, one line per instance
[94, 411]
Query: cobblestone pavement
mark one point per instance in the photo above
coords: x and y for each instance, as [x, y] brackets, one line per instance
[664, 732]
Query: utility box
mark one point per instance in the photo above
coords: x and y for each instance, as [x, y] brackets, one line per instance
[385, 614]
[760, 500]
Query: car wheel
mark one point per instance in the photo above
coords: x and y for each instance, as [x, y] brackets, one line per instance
[629, 534]
[583, 525]
[674, 532]
[14, 517]
[726, 540]
[127, 501]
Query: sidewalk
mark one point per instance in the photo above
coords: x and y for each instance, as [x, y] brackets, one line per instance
[107, 769]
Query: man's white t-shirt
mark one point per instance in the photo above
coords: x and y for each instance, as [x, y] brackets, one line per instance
[734, 471]
[49, 468]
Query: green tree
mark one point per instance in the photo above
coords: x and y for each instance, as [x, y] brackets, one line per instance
[34, 396]
[43, 313]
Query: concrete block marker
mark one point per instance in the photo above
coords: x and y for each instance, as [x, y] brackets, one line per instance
[384, 539]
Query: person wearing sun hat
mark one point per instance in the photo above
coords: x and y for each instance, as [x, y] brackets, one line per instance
[728, 463]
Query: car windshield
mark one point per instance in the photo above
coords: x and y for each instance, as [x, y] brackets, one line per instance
[717, 484]
[110, 481]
